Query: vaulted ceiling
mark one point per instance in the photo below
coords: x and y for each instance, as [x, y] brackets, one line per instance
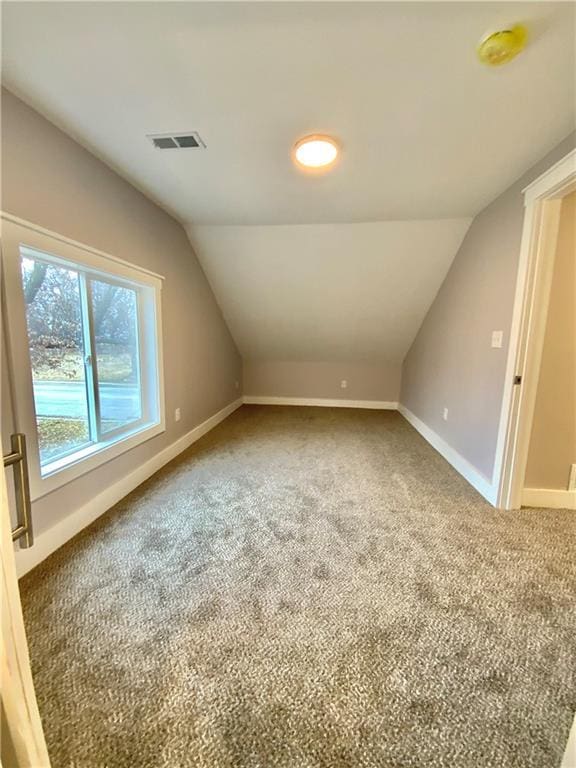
[328, 292]
[428, 133]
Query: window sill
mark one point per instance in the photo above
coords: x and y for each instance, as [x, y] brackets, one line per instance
[69, 468]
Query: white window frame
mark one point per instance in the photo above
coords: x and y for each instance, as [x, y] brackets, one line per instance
[18, 234]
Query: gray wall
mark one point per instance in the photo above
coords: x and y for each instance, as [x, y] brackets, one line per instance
[300, 379]
[552, 447]
[451, 363]
[49, 179]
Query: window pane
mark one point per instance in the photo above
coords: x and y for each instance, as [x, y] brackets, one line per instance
[115, 318]
[54, 320]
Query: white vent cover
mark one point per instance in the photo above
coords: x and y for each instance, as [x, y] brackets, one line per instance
[184, 140]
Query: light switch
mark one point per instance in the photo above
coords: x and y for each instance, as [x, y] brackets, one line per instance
[497, 339]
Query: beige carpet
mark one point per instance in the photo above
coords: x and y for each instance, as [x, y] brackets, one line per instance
[308, 588]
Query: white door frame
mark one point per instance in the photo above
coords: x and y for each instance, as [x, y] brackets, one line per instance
[542, 200]
[25, 735]
[18, 698]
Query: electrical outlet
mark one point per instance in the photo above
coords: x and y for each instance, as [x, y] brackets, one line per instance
[237, 384]
[343, 384]
[572, 478]
[177, 414]
[445, 414]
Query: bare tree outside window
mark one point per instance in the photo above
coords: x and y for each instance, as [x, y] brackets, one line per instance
[56, 338]
[53, 314]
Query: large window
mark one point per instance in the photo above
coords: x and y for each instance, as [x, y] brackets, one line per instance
[83, 335]
[91, 332]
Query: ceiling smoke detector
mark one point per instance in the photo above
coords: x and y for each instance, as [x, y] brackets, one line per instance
[187, 140]
[503, 45]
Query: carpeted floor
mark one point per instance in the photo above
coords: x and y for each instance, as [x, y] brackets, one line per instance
[308, 588]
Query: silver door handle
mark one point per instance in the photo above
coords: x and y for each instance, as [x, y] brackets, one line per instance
[17, 459]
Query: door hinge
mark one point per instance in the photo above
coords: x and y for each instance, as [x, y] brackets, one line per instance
[517, 380]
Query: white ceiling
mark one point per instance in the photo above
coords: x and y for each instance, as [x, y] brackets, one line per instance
[427, 131]
[337, 267]
[327, 292]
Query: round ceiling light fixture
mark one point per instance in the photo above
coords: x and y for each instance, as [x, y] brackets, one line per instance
[502, 46]
[316, 153]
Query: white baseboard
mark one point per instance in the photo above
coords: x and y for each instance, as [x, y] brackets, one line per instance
[49, 541]
[548, 497]
[460, 464]
[381, 405]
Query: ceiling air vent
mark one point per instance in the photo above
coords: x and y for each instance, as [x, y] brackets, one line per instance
[190, 140]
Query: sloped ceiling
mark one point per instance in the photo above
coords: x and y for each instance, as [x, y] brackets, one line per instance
[331, 292]
[429, 137]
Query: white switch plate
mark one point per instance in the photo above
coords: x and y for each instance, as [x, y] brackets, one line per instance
[343, 384]
[497, 339]
[445, 414]
[177, 414]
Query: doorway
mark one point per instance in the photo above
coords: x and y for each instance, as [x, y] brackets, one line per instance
[544, 200]
[550, 479]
